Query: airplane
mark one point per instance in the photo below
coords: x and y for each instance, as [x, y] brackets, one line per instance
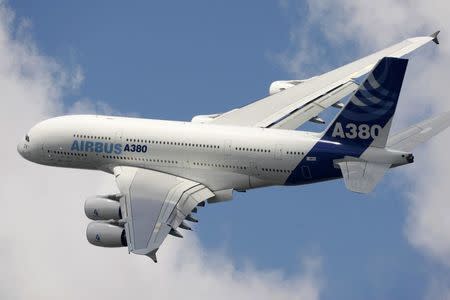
[166, 170]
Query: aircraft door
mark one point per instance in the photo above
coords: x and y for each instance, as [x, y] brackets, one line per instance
[254, 175]
[47, 153]
[227, 148]
[119, 137]
[253, 169]
[278, 152]
[306, 172]
[186, 164]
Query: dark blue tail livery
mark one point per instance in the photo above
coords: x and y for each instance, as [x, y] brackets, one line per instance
[367, 117]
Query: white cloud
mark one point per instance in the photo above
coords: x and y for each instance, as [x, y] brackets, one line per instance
[373, 25]
[87, 106]
[77, 77]
[439, 289]
[44, 253]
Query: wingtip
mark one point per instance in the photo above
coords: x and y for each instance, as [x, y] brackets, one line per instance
[435, 37]
[152, 255]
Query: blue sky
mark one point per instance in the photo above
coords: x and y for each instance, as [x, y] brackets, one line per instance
[169, 60]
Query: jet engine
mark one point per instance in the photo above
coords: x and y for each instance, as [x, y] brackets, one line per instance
[102, 208]
[106, 235]
[281, 85]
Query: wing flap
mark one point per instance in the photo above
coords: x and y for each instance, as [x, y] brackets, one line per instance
[153, 203]
[310, 107]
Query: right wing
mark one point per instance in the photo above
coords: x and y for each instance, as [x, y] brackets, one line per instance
[419, 133]
[361, 176]
[155, 204]
[294, 106]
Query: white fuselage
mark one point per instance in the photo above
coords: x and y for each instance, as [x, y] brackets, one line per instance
[221, 157]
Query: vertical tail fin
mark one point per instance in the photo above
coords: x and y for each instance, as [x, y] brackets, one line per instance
[366, 119]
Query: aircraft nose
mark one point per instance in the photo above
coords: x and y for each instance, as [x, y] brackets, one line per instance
[23, 149]
[20, 148]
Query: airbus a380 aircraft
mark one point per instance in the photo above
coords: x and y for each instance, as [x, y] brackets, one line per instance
[166, 169]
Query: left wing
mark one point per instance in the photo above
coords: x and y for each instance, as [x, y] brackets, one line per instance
[361, 176]
[155, 204]
[292, 107]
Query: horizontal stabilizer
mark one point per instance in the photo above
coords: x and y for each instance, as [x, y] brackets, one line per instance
[361, 176]
[435, 37]
[419, 133]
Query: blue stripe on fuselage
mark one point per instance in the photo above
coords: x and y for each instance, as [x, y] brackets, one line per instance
[322, 168]
[373, 104]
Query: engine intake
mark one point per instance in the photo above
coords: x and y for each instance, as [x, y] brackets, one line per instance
[106, 235]
[99, 208]
[281, 85]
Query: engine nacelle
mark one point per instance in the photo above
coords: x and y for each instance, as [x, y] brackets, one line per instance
[99, 208]
[106, 235]
[281, 85]
[204, 118]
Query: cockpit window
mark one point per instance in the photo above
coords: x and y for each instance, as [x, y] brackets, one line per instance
[27, 138]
